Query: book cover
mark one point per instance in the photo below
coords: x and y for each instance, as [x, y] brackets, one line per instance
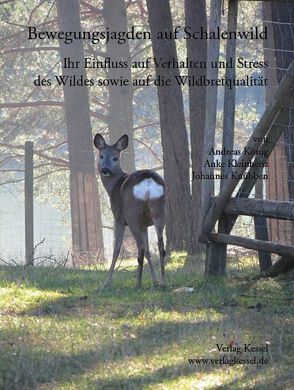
[146, 184]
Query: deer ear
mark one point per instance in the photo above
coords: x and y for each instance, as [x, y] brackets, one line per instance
[99, 141]
[122, 143]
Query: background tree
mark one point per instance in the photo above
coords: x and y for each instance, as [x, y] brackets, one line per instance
[120, 117]
[173, 131]
[37, 113]
[195, 16]
[86, 219]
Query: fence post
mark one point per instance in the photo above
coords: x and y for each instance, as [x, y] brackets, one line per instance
[29, 203]
[261, 231]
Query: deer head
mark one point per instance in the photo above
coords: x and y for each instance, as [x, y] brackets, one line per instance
[109, 155]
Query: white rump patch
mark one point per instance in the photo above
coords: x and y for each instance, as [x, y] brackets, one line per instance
[148, 189]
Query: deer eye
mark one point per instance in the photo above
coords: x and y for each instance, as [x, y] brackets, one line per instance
[115, 159]
[101, 157]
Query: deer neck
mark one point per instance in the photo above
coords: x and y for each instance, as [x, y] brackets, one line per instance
[110, 183]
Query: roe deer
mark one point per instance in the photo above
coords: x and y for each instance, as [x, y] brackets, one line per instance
[137, 201]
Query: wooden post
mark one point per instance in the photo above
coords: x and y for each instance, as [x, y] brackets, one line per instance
[216, 256]
[254, 207]
[29, 203]
[261, 231]
[250, 243]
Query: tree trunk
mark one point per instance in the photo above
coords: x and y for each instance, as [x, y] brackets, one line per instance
[211, 105]
[279, 53]
[85, 205]
[210, 126]
[195, 15]
[173, 131]
[120, 98]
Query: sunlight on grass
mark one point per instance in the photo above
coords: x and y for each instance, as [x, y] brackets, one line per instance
[242, 265]
[219, 378]
[177, 260]
[57, 331]
[17, 298]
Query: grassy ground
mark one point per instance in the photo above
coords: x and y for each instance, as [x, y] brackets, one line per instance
[59, 332]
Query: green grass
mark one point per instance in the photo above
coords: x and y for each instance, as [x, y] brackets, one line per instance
[58, 331]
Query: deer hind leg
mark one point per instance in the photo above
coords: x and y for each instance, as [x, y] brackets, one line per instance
[144, 235]
[157, 209]
[159, 226]
[140, 246]
[141, 251]
[141, 238]
[119, 234]
[140, 263]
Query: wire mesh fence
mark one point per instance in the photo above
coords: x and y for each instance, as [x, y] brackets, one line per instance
[51, 227]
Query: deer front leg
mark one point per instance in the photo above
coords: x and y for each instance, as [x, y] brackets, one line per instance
[119, 234]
